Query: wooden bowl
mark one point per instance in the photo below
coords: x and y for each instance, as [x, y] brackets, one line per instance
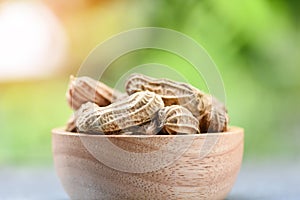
[202, 166]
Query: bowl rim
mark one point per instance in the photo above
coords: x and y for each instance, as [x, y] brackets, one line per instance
[231, 131]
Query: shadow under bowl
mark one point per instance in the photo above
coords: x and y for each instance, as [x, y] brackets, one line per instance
[202, 166]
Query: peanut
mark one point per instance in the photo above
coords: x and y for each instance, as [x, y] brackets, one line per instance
[173, 93]
[85, 115]
[215, 118]
[132, 111]
[85, 89]
[177, 119]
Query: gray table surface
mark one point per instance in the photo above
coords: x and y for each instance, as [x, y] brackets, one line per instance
[256, 181]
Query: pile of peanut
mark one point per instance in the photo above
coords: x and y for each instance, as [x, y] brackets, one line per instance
[151, 106]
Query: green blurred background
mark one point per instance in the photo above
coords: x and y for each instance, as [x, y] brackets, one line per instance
[255, 44]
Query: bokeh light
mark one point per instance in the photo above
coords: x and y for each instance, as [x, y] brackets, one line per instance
[33, 42]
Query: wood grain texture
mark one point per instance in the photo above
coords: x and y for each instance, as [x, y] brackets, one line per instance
[207, 169]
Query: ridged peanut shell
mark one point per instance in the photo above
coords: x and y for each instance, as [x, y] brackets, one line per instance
[133, 110]
[85, 89]
[214, 120]
[176, 119]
